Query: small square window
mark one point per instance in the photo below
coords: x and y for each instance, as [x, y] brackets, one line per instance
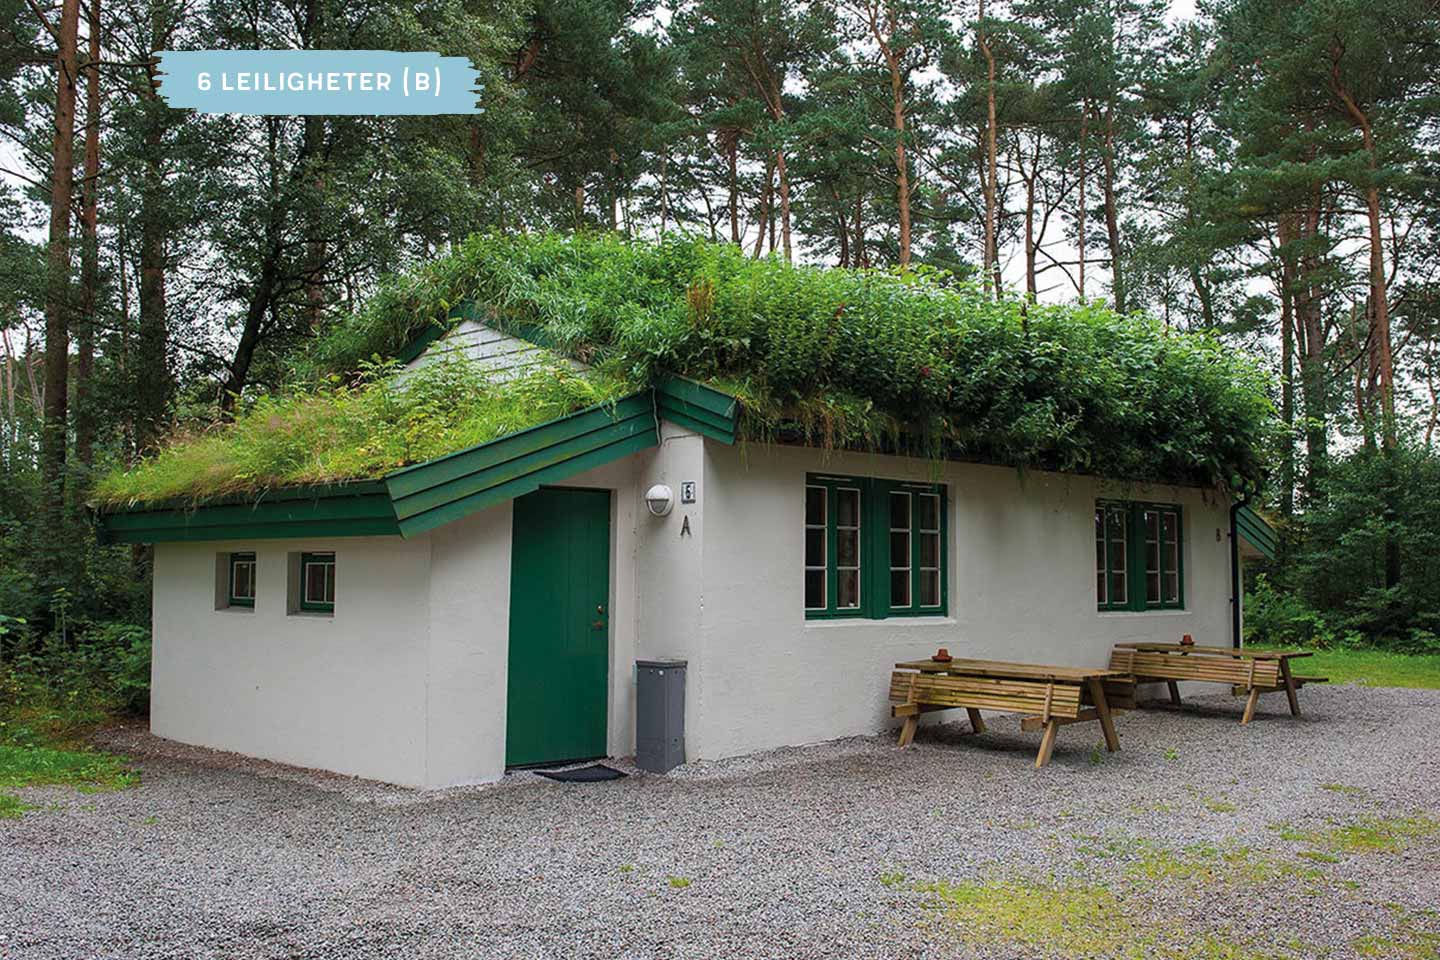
[317, 582]
[242, 580]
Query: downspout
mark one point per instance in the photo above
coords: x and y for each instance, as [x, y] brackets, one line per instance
[1235, 578]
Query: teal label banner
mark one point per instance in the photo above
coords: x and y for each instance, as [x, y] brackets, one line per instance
[330, 82]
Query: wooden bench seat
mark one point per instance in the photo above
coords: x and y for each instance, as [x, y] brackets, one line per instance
[1247, 672]
[1046, 697]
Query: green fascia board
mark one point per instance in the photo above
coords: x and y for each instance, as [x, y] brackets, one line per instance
[409, 481]
[431, 494]
[327, 529]
[1256, 531]
[701, 395]
[281, 514]
[530, 482]
[695, 406]
[551, 455]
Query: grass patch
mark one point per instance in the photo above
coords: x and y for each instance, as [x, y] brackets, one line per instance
[1406, 942]
[1370, 835]
[1342, 788]
[12, 807]
[1220, 806]
[679, 883]
[1075, 920]
[1374, 668]
[42, 766]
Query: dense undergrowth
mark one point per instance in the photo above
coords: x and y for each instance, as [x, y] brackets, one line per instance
[54, 690]
[867, 359]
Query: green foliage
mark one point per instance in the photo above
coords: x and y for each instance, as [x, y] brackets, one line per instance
[344, 431]
[55, 688]
[856, 358]
[1330, 587]
[40, 766]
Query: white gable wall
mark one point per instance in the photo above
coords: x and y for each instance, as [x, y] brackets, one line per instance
[344, 693]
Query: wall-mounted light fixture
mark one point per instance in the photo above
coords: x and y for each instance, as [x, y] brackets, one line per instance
[659, 500]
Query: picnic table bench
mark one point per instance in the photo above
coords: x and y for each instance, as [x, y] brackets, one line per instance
[1049, 697]
[1248, 672]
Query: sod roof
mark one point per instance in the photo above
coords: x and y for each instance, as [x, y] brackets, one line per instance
[912, 363]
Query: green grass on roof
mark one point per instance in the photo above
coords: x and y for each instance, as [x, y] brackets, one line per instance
[859, 357]
[912, 362]
[367, 430]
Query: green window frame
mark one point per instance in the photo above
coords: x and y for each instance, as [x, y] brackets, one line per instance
[1139, 556]
[240, 580]
[874, 548]
[317, 582]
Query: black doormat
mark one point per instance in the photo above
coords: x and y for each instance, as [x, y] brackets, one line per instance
[590, 774]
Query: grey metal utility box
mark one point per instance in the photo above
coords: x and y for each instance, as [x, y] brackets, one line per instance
[659, 714]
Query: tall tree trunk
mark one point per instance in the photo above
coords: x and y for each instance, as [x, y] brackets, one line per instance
[763, 215]
[1310, 329]
[991, 258]
[54, 434]
[1383, 361]
[1286, 284]
[732, 161]
[860, 255]
[1112, 216]
[1080, 228]
[784, 178]
[261, 296]
[315, 248]
[89, 252]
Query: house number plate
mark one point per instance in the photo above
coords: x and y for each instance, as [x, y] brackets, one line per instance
[687, 491]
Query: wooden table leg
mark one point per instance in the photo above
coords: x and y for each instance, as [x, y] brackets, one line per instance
[1102, 707]
[1047, 743]
[1289, 687]
[1250, 706]
[907, 730]
[1174, 692]
[976, 723]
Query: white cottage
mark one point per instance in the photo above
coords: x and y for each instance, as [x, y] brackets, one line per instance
[486, 609]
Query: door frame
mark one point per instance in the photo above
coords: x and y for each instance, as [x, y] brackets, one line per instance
[610, 562]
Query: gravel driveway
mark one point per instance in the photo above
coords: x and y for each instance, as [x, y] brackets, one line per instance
[1202, 839]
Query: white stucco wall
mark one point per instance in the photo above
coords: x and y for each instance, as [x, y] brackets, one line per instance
[407, 681]
[344, 693]
[1021, 587]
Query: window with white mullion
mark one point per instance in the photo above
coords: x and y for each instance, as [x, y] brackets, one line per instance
[1170, 557]
[847, 548]
[242, 579]
[900, 546]
[1152, 556]
[817, 513]
[1102, 591]
[930, 549]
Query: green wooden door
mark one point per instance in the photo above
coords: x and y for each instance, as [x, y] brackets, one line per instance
[559, 626]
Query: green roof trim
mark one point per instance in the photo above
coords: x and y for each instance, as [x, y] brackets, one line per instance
[695, 406]
[411, 500]
[359, 509]
[1256, 531]
[437, 492]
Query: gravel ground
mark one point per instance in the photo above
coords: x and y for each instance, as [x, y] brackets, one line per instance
[1200, 839]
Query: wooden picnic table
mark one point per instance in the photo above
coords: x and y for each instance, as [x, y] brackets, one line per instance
[1048, 696]
[1247, 670]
